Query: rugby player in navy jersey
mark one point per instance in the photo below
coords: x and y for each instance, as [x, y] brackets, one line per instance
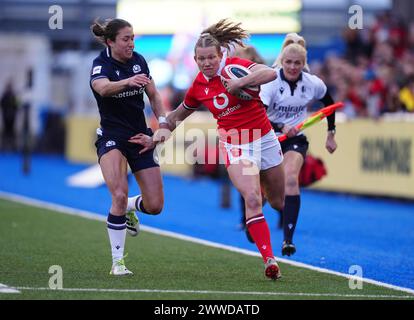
[119, 79]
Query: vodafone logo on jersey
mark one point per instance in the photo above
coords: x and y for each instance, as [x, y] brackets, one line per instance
[221, 101]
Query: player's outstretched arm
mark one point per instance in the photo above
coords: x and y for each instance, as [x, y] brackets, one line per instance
[173, 120]
[106, 88]
[163, 132]
[261, 74]
[178, 115]
[155, 99]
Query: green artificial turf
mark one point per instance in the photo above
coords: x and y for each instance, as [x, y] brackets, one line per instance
[34, 239]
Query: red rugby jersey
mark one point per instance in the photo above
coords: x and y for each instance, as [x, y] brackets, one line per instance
[238, 121]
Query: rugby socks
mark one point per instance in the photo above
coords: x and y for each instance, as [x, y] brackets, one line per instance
[135, 203]
[117, 231]
[260, 233]
[131, 203]
[290, 216]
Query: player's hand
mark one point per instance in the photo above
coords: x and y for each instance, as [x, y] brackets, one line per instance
[144, 140]
[331, 143]
[290, 131]
[139, 80]
[232, 86]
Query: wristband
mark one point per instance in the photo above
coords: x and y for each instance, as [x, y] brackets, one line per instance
[162, 119]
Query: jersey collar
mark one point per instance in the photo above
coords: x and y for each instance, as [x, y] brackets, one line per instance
[108, 55]
[292, 84]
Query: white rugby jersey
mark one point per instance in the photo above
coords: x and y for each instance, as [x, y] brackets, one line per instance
[289, 107]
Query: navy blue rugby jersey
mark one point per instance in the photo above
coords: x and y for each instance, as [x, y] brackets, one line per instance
[121, 114]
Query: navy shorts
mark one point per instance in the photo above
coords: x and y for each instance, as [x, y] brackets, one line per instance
[298, 143]
[130, 151]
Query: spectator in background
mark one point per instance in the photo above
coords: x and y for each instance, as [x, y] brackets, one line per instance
[377, 63]
[9, 107]
[249, 53]
[406, 95]
[355, 47]
[410, 38]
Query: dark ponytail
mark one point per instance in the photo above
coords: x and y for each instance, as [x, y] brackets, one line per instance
[108, 30]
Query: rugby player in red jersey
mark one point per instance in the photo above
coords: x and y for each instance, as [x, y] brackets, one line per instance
[249, 144]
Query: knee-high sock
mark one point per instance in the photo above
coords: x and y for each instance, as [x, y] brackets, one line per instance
[135, 203]
[116, 230]
[290, 216]
[259, 231]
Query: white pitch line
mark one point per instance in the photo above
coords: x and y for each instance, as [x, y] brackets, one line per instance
[6, 289]
[293, 294]
[96, 216]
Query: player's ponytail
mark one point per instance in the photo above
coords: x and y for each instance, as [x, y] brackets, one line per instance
[292, 38]
[109, 29]
[98, 30]
[222, 34]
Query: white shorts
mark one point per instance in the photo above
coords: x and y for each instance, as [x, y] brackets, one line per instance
[264, 152]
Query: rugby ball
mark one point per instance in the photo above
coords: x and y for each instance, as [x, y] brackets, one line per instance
[235, 71]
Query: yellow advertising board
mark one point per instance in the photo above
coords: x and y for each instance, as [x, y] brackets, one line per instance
[80, 138]
[373, 157]
[175, 156]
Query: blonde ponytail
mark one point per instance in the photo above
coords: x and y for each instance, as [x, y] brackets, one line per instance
[293, 38]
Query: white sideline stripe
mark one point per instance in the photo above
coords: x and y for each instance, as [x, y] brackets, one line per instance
[95, 216]
[6, 289]
[90, 177]
[255, 293]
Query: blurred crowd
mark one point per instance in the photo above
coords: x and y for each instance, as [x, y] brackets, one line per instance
[376, 73]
